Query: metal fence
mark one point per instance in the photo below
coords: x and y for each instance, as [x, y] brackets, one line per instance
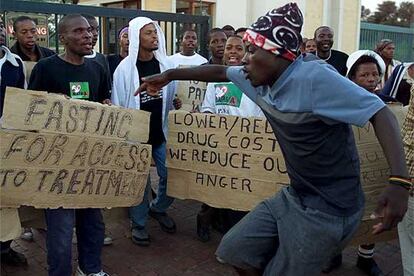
[110, 21]
[371, 34]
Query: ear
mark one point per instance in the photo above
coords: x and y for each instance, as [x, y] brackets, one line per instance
[62, 39]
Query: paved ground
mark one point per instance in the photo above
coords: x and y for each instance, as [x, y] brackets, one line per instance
[177, 254]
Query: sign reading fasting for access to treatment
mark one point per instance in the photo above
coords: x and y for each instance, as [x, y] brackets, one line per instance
[59, 152]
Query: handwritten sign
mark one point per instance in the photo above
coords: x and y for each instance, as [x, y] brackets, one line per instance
[224, 161]
[233, 162]
[68, 159]
[35, 110]
[191, 93]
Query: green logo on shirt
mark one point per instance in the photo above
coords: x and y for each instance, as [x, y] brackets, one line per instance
[79, 90]
[228, 94]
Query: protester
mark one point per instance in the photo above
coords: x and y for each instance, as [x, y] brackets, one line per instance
[216, 41]
[147, 56]
[365, 68]
[26, 47]
[208, 215]
[302, 226]
[399, 84]
[406, 227]
[188, 56]
[241, 31]
[62, 74]
[310, 46]
[98, 57]
[115, 59]
[11, 74]
[386, 48]
[228, 30]
[323, 37]
[217, 103]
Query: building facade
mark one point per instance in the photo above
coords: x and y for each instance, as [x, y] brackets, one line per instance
[342, 15]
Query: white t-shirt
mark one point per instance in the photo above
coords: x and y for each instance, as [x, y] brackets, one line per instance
[226, 98]
[194, 60]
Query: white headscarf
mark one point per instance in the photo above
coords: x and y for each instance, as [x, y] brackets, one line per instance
[126, 76]
[355, 56]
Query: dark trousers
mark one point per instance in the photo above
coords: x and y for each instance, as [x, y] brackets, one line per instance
[5, 246]
[90, 234]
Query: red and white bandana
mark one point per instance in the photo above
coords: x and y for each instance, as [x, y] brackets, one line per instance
[278, 31]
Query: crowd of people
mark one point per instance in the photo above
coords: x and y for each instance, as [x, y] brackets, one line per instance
[309, 93]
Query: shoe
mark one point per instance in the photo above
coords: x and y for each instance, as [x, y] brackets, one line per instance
[13, 258]
[107, 240]
[167, 223]
[140, 236]
[369, 266]
[79, 272]
[334, 263]
[27, 234]
[203, 232]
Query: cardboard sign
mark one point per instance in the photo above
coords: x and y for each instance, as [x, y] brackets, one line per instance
[68, 159]
[35, 110]
[233, 162]
[224, 161]
[29, 68]
[191, 93]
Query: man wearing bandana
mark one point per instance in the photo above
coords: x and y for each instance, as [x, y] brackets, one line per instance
[310, 108]
[385, 48]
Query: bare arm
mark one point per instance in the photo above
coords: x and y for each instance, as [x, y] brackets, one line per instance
[208, 73]
[392, 203]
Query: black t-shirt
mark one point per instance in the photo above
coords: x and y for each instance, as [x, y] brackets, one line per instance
[113, 61]
[152, 104]
[87, 81]
[338, 61]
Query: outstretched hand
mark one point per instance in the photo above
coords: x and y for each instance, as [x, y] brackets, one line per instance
[391, 208]
[153, 84]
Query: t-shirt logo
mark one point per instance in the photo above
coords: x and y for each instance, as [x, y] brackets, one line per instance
[228, 94]
[79, 90]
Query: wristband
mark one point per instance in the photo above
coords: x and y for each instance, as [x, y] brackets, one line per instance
[401, 181]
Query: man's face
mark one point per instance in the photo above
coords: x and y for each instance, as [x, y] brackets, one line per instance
[77, 38]
[367, 76]
[2, 33]
[310, 46]
[26, 34]
[189, 42]
[124, 42]
[388, 51]
[94, 30]
[324, 39]
[234, 51]
[216, 44]
[257, 65]
[148, 38]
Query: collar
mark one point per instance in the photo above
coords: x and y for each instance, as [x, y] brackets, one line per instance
[18, 50]
[93, 55]
[8, 55]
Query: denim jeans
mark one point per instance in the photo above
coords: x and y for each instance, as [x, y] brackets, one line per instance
[283, 237]
[90, 234]
[139, 213]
